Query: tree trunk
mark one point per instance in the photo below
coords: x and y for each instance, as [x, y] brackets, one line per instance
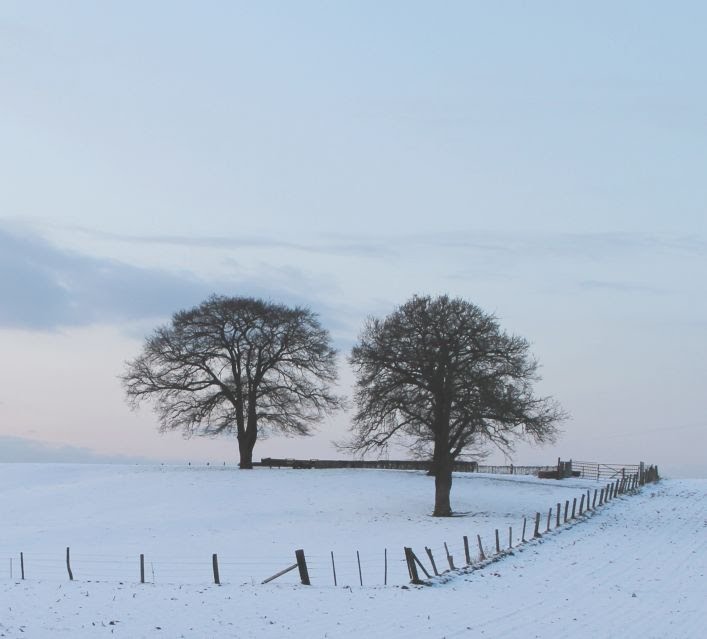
[443, 487]
[245, 449]
[248, 437]
[246, 443]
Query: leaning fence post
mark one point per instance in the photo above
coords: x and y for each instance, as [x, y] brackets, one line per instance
[333, 567]
[581, 505]
[22, 565]
[482, 556]
[467, 555]
[360, 576]
[419, 564]
[450, 559]
[549, 517]
[567, 507]
[412, 568]
[68, 564]
[302, 565]
[432, 561]
[214, 564]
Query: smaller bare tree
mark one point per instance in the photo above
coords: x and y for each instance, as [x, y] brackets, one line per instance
[442, 376]
[237, 364]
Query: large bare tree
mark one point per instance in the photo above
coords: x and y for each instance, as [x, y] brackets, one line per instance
[237, 365]
[441, 375]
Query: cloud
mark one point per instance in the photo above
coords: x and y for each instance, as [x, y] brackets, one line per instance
[509, 244]
[363, 247]
[621, 287]
[589, 246]
[44, 287]
[19, 449]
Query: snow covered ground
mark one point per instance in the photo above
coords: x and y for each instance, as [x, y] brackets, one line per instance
[636, 568]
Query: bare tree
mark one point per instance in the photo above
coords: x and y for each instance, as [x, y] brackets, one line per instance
[236, 364]
[442, 376]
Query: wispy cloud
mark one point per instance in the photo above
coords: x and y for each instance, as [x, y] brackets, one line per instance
[321, 244]
[621, 287]
[510, 244]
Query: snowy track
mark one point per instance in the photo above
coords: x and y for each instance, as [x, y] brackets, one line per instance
[637, 568]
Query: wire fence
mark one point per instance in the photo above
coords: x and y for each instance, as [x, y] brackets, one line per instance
[390, 566]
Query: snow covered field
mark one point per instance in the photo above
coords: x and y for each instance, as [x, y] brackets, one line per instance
[637, 568]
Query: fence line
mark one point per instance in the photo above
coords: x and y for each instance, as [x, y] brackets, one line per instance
[398, 464]
[388, 567]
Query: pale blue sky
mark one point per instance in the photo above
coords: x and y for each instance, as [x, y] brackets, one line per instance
[544, 160]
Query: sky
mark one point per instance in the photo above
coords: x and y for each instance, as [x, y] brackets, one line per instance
[542, 160]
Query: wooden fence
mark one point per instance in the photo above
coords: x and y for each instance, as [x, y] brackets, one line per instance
[398, 464]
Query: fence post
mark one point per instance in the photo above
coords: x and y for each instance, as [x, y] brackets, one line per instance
[574, 506]
[22, 565]
[557, 518]
[482, 556]
[450, 559]
[214, 564]
[498, 543]
[510, 537]
[385, 567]
[432, 561]
[412, 568]
[68, 564]
[360, 576]
[567, 507]
[142, 568]
[537, 525]
[549, 517]
[333, 567]
[581, 505]
[467, 555]
[522, 537]
[302, 565]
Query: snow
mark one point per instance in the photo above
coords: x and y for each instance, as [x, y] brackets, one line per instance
[635, 568]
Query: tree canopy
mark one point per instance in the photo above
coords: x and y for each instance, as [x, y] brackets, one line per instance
[236, 365]
[441, 375]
